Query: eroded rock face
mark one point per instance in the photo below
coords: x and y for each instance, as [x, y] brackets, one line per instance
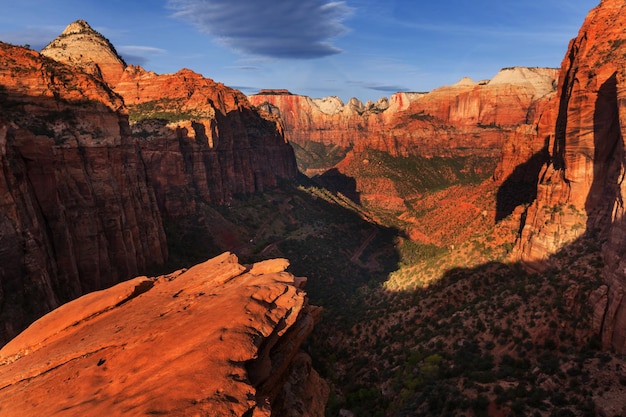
[218, 339]
[581, 188]
[466, 118]
[201, 140]
[85, 194]
[77, 212]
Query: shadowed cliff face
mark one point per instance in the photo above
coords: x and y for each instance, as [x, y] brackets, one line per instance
[202, 138]
[580, 188]
[77, 211]
[86, 197]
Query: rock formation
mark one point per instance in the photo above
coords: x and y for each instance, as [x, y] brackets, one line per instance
[201, 140]
[222, 145]
[581, 189]
[77, 211]
[164, 346]
[467, 118]
[85, 194]
[81, 46]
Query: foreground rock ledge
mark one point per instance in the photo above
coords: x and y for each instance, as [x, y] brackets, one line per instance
[218, 339]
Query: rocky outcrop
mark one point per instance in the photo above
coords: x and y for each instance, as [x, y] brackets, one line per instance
[86, 194]
[581, 189]
[200, 140]
[164, 346]
[468, 118]
[81, 46]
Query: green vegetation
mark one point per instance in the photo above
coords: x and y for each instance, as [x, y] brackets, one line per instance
[415, 328]
[420, 174]
[168, 109]
[422, 116]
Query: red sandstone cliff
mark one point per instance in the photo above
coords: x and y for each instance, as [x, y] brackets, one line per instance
[581, 189]
[77, 211]
[200, 140]
[222, 146]
[163, 346]
[85, 195]
[467, 118]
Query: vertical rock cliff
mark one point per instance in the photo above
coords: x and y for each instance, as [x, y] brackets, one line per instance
[77, 211]
[85, 194]
[580, 190]
[201, 140]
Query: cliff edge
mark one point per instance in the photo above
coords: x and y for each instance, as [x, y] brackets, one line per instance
[581, 189]
[217, 339]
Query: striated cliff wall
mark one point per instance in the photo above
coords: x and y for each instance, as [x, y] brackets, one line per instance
[77, 211]
[85, 194]
[580, 189]
[202, 139]
[467, 118]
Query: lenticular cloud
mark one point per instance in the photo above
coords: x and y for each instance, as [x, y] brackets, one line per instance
[300, 29]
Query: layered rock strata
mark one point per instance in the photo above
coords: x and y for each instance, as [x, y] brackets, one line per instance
[200, 140]
[81, 46]
[86, 194]
[77, 212]
[218, 339]
[581, 189]
[467, 118]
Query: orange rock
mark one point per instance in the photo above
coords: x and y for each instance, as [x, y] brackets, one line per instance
[466, 118]
[189, 343]
[85, 194]
[581, 188]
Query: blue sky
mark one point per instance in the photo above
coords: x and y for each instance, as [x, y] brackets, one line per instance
[354, 48]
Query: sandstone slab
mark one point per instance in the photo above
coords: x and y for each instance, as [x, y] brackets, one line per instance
[217, 339]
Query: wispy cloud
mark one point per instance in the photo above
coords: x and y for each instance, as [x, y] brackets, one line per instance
[385, 88]
[138, 49]
[138, 54]
[245, 68]
[301, 29]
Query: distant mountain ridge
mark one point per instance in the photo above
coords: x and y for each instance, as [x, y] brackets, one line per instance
[465, 118]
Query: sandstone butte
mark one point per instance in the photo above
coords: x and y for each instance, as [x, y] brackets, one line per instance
[467, 118]
[84, 195]
[164, 346]
[581, 189]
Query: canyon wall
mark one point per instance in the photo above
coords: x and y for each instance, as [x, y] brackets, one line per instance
[580, 190]
[467, 118]
[163, 346]
[86, 194]
[77, 212]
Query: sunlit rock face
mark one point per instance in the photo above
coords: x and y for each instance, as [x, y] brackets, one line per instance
[85, 192]
[581, 188]
[218, 339]
[462, 119]
[202, 140]
[81, 46]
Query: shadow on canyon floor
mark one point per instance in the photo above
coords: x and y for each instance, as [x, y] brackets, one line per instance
[322, 233]
[337, 182]
[487, 336]
[520, 187]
